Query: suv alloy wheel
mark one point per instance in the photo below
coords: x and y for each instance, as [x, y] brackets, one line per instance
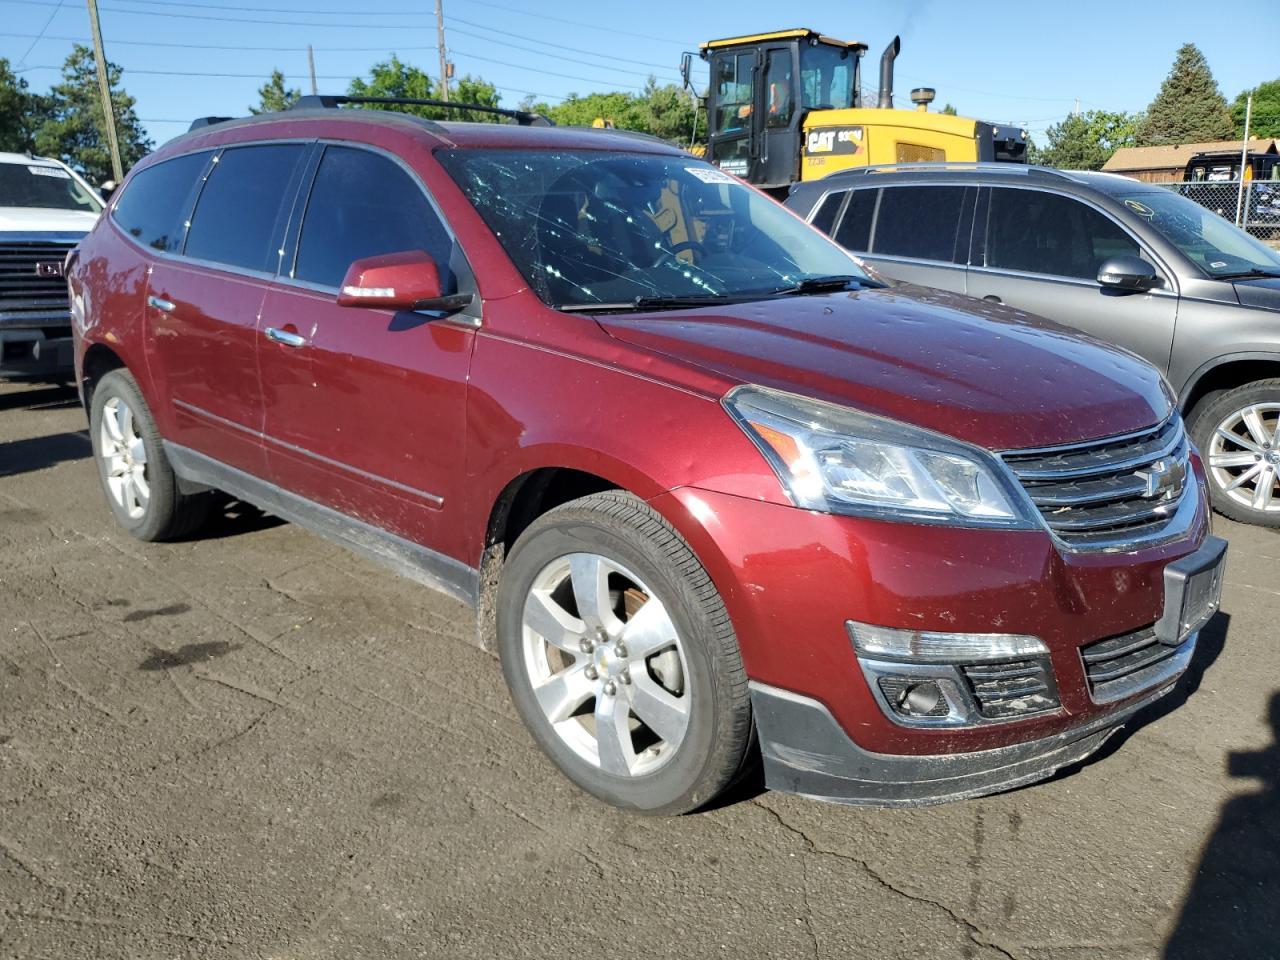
[1238, 433]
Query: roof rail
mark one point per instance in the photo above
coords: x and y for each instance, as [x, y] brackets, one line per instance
[1013, 169]
[199, 122]
[331, 101]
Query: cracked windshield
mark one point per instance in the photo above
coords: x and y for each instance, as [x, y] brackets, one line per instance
[594, 230]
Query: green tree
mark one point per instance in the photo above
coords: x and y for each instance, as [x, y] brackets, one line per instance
[949, 111]
[1189, 107]
[19, 110]
[72, 127]
[274, 96]
[394, 78]
[1265, 121]
[664, 111]
[1085, 141]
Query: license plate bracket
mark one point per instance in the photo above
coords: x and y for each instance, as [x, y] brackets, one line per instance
[1192, 592]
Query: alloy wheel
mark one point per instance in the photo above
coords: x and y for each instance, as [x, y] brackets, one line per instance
[606, 664]
[1244, 456]
[125, 457]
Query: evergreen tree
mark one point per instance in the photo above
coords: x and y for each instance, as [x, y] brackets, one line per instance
[1265, 121]
[72, 129]
[274, 96]
[1189, 107]
[18, 110]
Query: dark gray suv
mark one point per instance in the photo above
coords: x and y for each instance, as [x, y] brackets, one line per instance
[1127, 262]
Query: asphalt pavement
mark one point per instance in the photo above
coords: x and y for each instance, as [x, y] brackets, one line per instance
[253, 744]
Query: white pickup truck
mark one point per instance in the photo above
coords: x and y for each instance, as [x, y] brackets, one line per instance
[45, 208]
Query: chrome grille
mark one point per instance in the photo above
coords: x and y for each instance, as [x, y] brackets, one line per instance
[1113, 664]
[27, 298]
[1119, 488]
[1015, 688]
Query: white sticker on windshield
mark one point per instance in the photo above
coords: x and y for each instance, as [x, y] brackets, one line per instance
[710, 175]
[1218, 264]
[56, 172]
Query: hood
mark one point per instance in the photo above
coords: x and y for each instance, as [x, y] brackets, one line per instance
[1263, 292]
[45, 220]
[975, 371]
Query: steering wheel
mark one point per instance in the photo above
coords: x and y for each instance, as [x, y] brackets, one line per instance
[670, 253]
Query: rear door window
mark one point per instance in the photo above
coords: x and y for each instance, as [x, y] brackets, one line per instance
[1032, 231]
[854, 232]
[364, 204]
[919, 222]
[153, 208]
[239, 218]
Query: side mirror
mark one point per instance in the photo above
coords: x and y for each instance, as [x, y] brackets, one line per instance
[408, 280]
[1132, 274]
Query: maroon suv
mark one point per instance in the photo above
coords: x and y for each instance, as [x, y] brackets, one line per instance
[706, 481]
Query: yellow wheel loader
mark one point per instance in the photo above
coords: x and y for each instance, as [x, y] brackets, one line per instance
[787, 106]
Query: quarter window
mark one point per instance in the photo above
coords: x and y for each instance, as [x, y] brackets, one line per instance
[362, 205]
[239, 215]
[825, 218]
[854, 232]
[919, 222]
[1037, 232]
[153, 208]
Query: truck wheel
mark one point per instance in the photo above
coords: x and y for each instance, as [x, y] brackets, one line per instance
[139, 482]
[621, 658]
[1238, 433]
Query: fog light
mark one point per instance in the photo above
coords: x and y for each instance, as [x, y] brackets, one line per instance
[912, 698]
[928, 646]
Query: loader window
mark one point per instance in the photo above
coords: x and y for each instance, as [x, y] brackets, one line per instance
[733, 90]
[826, 77]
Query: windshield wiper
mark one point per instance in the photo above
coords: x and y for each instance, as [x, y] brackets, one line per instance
[670, 302]
[1247, 274]
[826, 284]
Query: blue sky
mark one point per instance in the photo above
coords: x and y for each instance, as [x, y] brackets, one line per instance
[1023, 62]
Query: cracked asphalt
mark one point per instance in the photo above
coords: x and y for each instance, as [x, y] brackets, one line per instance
[253, 744]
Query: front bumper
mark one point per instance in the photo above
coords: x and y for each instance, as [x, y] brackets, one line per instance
[36, 352]
[806, 752]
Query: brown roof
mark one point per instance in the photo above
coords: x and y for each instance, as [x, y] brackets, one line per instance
[1175, 156]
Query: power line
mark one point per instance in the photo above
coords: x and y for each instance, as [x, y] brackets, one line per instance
[579, 24]
[33, 43]
[545, 43]
[550, 73]
[557, 56]
[196, 16]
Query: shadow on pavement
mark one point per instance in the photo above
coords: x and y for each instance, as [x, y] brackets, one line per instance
[37, 453]
[232, 518]
[42, 398]
[1233, 906]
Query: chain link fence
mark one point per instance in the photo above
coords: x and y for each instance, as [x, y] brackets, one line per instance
[1255, 209]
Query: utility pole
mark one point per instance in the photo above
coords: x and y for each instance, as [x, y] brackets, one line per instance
[104, 87]
[444, 59]
[311, 65]
[1241, 212]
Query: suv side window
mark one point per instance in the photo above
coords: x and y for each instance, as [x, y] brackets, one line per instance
[854, 232]
[1037, 232]
[237, 217]
[919, 222]
[363, 204]
[825, 216]
[154, 208]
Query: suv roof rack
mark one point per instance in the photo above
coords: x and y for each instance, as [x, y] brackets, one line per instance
[326, 101]
[199, 122]
[1010, 169]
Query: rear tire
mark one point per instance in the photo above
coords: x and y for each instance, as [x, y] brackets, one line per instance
[1238, 434]
[638, 693]
[136, 476]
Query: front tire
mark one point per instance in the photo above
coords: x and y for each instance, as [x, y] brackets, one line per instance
[136, 476]
[620, 657]
[1238, 434]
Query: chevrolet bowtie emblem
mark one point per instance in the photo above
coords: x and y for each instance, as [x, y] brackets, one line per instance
[1164, 478]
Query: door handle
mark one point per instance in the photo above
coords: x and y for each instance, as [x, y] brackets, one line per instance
[165, 305]
[992, 298]
[276, 335]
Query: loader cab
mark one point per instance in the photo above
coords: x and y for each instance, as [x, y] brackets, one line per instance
[762, 86]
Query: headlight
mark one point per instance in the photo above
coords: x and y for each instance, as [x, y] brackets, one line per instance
[837, 460]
